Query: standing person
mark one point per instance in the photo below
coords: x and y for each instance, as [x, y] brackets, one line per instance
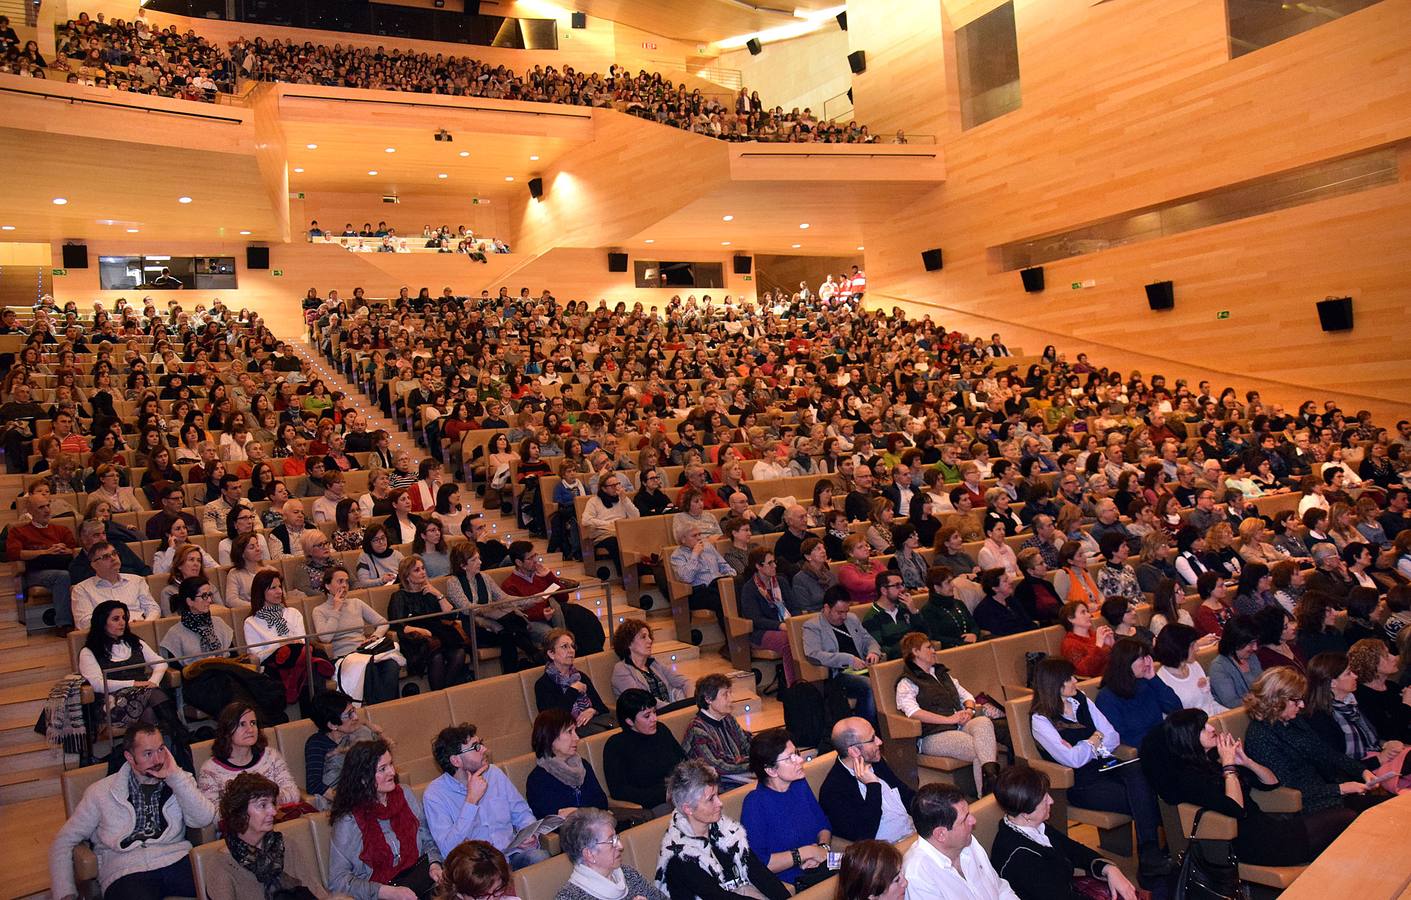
[381, 848]
[946, 862]
[136, 821]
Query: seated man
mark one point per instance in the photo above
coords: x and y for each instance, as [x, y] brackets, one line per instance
[714, 737]
[475, 801]
[45, 549]
[862, 797]
[946, 862]
[699, 565]
[836, 640]
[110, 583]
[172, 499]
[90, 533]
[136, 821]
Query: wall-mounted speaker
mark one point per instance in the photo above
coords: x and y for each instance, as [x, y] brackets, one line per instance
[1335, 314]
[75, 256]
[850, 95]
[742, 264]
[1160, 295]
[754, 46]
[257, 257]
[617, 262]
[857, 61]
[536, 188]
[931, 259]
[843, 20]
[580, 20]
[1033, 278]
[472, 7]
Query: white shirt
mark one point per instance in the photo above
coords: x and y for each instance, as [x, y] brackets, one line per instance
[1075, 756]
[130, 589]
[90, 669]
[895, 823]
[257, 631]
[1193, 690]
[907, 692]
[930, 875]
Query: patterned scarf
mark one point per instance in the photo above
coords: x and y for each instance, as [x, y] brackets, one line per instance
[200, 625]
[377, 853]
[1359, 737]
[273, 616]
[566, 684]
[147, 805]
[265, 861]
[722, 853]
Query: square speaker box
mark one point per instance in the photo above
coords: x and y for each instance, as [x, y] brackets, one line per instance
[742, 265]
[1160, 295]
[931, 259]
[536, 188]
[617, 262]
[857, 61]
[1033, 278]
[75, 256]
[580, 20]
[257, 257]
[1335, 314]
[755, 47]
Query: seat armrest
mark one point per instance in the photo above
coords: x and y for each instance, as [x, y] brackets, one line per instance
[900, 726]
[1213, 826]
[1059, 776]
[1279, 800]
[623, 804]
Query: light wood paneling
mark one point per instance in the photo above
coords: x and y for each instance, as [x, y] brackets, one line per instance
[804, 72]
[581, 274]
[908, 53]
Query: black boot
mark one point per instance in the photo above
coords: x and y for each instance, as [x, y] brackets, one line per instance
[1153, 863]
[988, 773]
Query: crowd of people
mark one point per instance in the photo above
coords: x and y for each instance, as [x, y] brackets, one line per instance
[133, 56]
[916, 440]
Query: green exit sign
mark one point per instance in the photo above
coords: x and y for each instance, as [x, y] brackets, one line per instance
[1077, 285]
[1223, 314]
[278, 273]
[749, 278]
[61, 271]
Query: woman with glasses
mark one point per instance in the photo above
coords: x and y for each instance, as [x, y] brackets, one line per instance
[786, 827]
[589, 838]
[240, 520]
[202, 645]
[475, 871]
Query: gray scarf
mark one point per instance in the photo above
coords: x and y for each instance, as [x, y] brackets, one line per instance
[570, 771]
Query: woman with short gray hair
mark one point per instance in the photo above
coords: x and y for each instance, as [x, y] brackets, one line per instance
[589, 837]
[705, 854]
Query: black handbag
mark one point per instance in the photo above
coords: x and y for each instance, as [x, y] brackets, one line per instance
[1209, 870]
[418, 878]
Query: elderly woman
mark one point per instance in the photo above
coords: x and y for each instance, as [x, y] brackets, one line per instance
[783, 821]
[317, 560]
[703, 853]
[859, 573]
[637, 668]
[813, 578]
[1386, 706]
[255, 861]
[693, 515]
[589, 838]
[380, 840]
[563, 686]
[1072, 580]
[953, 722]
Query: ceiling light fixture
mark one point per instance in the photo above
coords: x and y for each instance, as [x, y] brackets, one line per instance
[132, 231]
[534, 158]
[650, 241]
[509, 178]
[244, 232]
[372, 172]
[465, 153]
[860, 247]
[803, 224]
[298, 170]
[7, 228]
[796, 246]
[724, 243]
[311, 146]
[60, 201]
[727, 218]
[183, 199]
[391, 150]
[442, 175]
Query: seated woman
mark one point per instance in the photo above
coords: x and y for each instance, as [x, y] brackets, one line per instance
[703, 853]
[1073, 581]
[340, 624]
[240, 748]
[1181, 672]
[767, 601]
[176, 536]
[562, 781]
[247, 558]
[1316, 615]
[1036, 593]
[240, 520]
[999, 613]
[995, 553]
[879, 526]
[1132, 697]
[348, 533]
[1285, 741]
[380, 840]
[434, 646]
[1166, 607]
[589, 838]
[1073, 732]
[505, 626]
[906, 556]
[430, 545]
[714, 736]
[256, 861]
[1215, 609]
[1386, 707]
[335, 715]
[1190, 761]
[187, 562]
[637, 668]
[1254, 590]
[783, 822]
[1037, 863]
[270, 620]
[953, 723]
[944, 616]
[859, 573]
[1237, 666]
[1084, 644]
[1332, 710]
[475, 870]
[871, 870]
[379, 562]
[562, 686]
[637, 760]
[1276, 630]
[949, 552]
[813, 578]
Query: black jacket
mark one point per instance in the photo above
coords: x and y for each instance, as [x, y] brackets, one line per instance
[1037, 872]
[548, 694]
[852, 816]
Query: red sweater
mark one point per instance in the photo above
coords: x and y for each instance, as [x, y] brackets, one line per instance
[1084, 653]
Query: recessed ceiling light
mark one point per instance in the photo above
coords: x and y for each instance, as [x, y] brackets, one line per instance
[534, 158]
[311, 146]
[724, 243]
[727, 218]
[509, 178]
[298, 171]
[803, 224]
[7, 228]
[372, 172]
[391, 149]
[650, 241]
[442, 175]
[796, 246]
[132, 231]
[183, 199]
[860, 247]
[465, 153]
[60, 201]
[244, 232]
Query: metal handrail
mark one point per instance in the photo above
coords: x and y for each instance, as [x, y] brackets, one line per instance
[143, 665]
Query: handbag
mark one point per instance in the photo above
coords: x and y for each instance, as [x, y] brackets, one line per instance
[1209, 869]
[417, 877]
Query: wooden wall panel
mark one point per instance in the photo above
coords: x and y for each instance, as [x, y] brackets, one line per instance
[906, 84]
[582, 274]
[1119, 115]
[804, 72]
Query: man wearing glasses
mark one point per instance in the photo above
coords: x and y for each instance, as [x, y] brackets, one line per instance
[860, 774]
[888, 619]
[110, 583]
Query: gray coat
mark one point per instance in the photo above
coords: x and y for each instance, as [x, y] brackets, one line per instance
[348, 874]
[820, 643]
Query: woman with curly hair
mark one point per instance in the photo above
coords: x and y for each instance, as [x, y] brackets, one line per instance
[255, 861]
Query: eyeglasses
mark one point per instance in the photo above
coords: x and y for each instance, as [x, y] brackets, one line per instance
[788, 757]
[473, 748]
[615, 840]
[205, 595]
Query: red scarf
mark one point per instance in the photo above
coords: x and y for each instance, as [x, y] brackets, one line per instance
[377, 853]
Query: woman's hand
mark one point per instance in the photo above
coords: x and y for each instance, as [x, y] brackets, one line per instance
[1104, 636]
[969, 638]
[1226, 749]
[144, 684]
[1121, 887]
[812, 856]
[1354, 787]
[584, 717]
[962, 717]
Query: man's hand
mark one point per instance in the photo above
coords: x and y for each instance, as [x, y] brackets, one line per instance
[476, 786]
[168, 766]
[864, 772]
[529, 843]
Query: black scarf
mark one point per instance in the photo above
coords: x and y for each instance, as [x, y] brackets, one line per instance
[265, 862]
[200, 625]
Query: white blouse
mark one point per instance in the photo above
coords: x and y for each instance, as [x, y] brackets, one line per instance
[257, 631]
[121, 653]
[1193, 690]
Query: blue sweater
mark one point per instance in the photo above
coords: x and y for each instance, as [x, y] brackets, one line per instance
[1135, 717]
[547, 795]
[778, 821]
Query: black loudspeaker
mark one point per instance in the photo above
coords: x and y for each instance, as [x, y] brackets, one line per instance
[75, 256]
[843, 20]
[472, 7]
[1334, 313]
[849, 95]
[1033, 279]
[755, 47]
[742, 264]
[257, 257]
[580, 20]
[617, 262]
[857, 61]
[1159, 295]
[536, 188]
[931, 259]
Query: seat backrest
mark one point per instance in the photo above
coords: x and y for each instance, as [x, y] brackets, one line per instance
[321, 830]
[412, 722]
[987, 815]
[497, 707]
[1009, 653]
[884, 678]
[808, 671]
[290, 738]
[642, 845]
[517, 769]
[677, 721]
[1235, 721]
[543, 879]
[975, 666]
[74, 782]
[598, 667]
[816, 769]
[1017, 711]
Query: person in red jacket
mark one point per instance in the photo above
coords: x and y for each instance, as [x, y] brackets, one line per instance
[46, 549]
[1085, 646]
